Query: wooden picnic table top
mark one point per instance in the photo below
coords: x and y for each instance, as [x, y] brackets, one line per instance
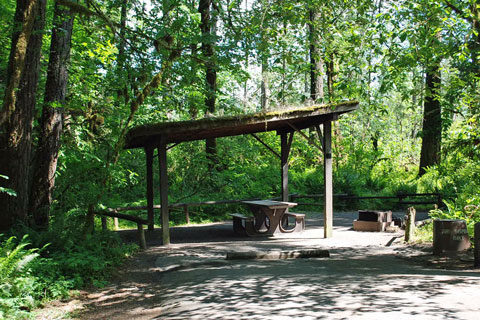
[271, 204]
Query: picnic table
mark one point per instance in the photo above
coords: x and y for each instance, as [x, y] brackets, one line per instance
[270, 217]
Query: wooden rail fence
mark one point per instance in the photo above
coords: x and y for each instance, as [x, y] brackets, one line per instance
[403, 199]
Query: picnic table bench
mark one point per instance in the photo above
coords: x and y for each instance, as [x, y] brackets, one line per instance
[242, 224]
[299, 225]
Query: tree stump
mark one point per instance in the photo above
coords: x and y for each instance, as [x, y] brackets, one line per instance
[141, 236]
[410, 224]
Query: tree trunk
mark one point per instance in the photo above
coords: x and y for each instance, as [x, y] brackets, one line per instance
[24, 19]
[246, 56]
[331, 77]
[122, 90]
[264, 86]
[475, 47]
[432, 121]
[263, 54]
[206, 26]
[51, 123]
[316, 61]
[16, 117]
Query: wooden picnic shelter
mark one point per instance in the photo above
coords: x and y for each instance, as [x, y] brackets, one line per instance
[165, 135]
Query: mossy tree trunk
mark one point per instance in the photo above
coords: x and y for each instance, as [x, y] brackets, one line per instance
[51, 123]
[16, 116]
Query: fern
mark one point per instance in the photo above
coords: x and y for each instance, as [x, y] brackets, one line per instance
[17, 285]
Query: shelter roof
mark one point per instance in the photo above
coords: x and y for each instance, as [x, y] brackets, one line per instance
[284, 120]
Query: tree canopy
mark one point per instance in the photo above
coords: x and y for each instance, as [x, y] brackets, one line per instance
[130, 62]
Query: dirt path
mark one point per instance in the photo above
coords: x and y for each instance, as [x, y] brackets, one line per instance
[368, 276]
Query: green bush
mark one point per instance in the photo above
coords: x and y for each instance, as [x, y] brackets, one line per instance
[29, 276]
[18, 286]
[469, 213]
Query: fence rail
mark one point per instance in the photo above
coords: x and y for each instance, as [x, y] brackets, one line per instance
[435, 198]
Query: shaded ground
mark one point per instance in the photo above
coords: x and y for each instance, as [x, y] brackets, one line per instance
[369, 275]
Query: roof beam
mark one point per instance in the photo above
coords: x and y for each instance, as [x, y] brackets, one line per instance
[320, 134]
[266, 145]
[305, 136]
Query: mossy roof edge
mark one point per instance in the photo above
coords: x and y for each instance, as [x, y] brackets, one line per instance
[170, 127]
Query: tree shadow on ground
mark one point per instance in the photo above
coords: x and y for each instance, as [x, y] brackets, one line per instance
[351, 283]
[354, 282]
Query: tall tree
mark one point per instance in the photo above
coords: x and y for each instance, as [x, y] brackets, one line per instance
[432, 121]
[207, 25]
[18, 107]
[432, 111]
[51, 123]
[331, 76]
[316, 60]
[122, 91]
[265, 81]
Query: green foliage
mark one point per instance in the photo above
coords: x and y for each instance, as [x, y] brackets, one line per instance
[424, 233]
[87, 261]
[8, 191]
[469, 213]
[66, 261]
[17, 284]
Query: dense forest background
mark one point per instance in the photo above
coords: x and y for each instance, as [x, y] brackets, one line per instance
[76, 75]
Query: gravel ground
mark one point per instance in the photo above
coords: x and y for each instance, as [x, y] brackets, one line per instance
[367, 276]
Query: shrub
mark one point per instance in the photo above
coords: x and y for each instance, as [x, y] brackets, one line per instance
[17, 284]
[29, 276]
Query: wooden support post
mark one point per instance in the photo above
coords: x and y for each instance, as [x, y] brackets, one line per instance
[104, 223]
[149, 156]
[476, 242]
[410, 224]
[115, 224]
[286, 143]
[284, 165]
[327, 180]
[187, 215]
[162, 160]
[141, 236]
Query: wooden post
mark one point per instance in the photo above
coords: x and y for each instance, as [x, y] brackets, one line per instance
[115, 224]
[104, 223]
[141, 236]
[286, 143]
[327, 180]
[149, 156]
[284, 165]
[187, 216]
[476, 241]
[410, 224]
[162, 160]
